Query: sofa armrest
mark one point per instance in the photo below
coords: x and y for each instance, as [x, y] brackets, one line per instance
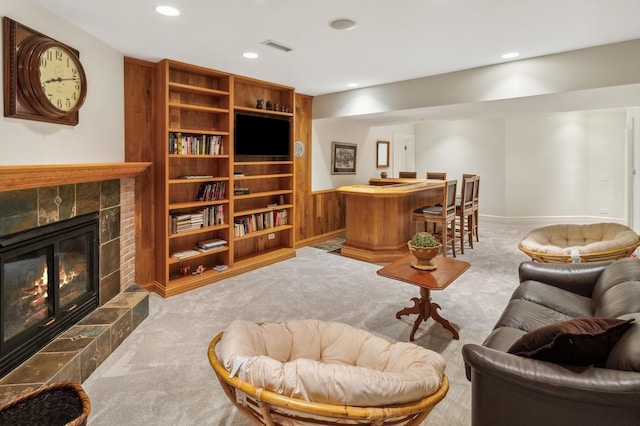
[535, 380]
[579, 278]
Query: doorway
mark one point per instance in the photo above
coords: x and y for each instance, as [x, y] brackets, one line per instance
[404, 152]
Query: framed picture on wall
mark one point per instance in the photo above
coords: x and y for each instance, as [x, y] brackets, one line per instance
[382, 154]
[343, 158]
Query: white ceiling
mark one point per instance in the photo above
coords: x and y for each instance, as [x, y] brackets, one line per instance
[394, 40]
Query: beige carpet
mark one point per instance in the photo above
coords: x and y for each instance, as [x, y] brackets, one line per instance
[161, 375]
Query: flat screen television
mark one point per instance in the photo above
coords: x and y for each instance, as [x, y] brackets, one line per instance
[262, 136]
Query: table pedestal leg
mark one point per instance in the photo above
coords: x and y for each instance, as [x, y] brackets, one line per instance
[425, 309]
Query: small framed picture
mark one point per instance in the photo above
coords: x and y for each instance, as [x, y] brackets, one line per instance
[343, 158]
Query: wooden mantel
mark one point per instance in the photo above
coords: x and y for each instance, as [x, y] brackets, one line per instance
[14, 178]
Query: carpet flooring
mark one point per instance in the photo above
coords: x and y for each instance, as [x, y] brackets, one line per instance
[160, 375]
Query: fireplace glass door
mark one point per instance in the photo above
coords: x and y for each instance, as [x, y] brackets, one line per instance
[48, 283]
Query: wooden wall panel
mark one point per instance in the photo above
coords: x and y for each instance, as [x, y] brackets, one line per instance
[139, 127]
[319, 215]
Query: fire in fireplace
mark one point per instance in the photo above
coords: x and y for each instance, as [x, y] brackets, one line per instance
[48, 282]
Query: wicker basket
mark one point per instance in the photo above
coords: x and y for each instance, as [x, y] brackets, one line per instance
[58, 404]
[264, 407]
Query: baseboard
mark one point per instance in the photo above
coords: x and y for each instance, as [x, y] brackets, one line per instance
[320, 238]
[546, 220]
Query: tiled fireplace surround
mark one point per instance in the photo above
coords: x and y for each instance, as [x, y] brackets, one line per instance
[76, 353]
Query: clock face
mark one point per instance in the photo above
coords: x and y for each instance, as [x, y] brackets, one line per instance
[60, 78]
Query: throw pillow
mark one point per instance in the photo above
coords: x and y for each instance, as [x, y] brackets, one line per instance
[580, 341]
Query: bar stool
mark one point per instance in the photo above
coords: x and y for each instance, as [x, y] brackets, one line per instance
[476, 190]
[407, 174]
[437, 175]
[442, 219]
[464, 212]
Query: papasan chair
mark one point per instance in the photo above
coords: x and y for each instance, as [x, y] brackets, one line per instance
[573, 243]
[310, 372]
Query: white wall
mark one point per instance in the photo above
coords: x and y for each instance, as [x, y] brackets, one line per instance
[99, 136]
[324, 132]
[544, 167]
[566, 165]
[466, 146]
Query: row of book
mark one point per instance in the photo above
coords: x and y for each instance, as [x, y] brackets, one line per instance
[195, 144]
[181, 222]
[212, 191]
[259, 221]
[203, 246]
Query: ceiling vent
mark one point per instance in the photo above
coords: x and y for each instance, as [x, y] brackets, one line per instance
[276, 45]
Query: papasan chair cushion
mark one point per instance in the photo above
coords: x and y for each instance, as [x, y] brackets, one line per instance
[611, 240]
[329, 362]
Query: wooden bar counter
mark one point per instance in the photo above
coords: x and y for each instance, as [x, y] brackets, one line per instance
[379, 222]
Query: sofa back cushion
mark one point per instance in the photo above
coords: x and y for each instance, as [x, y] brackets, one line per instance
[617, 291]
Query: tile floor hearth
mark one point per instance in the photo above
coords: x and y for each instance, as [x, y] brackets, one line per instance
[77, 352]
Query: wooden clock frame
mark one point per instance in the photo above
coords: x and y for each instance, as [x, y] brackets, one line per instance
[15, 96]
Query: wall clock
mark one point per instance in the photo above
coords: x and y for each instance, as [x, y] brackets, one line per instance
[299, 149]
[44, 78]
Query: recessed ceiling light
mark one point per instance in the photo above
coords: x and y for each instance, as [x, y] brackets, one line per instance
[352, 85]
[510, 55]
[342, 24]
[250, 55]
[167, 11]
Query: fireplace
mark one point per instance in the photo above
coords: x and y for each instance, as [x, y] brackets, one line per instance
[48, 282]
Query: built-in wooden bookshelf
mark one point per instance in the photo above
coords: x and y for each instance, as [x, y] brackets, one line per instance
[191, 175]
[263, 218]
[194, 176]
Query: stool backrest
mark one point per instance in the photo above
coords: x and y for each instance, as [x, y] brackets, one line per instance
[407, 174]
[437, 175]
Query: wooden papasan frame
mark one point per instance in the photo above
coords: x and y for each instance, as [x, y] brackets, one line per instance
[599, 256]
[263, 407]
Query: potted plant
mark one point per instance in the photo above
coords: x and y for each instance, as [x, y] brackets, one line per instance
[424, 247]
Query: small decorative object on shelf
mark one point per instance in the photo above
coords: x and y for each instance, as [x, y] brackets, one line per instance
[269, 106]
[184, 270]
[383, 174]
[424, 247]
[260, 104]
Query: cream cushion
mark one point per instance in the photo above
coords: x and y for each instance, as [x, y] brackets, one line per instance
[330, 362]
[586, 238]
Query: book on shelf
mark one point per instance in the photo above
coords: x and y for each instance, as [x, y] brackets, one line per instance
[196, 177]
[259, 221]
[241, 191]
[212, 191]
[208, 216]
[190, 144]
[185, 254]
[211, 244]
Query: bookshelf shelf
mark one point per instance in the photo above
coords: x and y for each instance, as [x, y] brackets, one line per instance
[175, 260]
[195, 204]
[197, 107]
[263, 232]
[273, 176]
[264, 111]
[262, 194]
[238, 213]
[196, 89]
[202, 230]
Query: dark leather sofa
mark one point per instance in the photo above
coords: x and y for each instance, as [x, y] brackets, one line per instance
[510, 389]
